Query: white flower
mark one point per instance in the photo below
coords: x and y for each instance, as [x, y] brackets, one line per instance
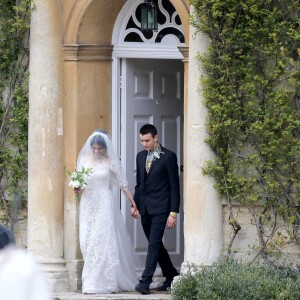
[74, 184]
[156, 154]
[78, 179]
[73, 176]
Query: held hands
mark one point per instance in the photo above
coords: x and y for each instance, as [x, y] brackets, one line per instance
[134, 212]
[171, 222]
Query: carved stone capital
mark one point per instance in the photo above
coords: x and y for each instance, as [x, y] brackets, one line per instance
[184, 50]
[87, 52]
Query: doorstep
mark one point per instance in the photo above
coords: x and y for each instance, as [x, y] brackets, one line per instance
[154, 295]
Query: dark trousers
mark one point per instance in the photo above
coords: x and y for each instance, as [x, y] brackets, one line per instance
[154, 227]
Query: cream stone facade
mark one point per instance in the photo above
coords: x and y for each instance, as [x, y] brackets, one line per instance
[70, 96]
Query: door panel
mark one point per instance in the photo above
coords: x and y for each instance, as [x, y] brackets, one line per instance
[152, 92]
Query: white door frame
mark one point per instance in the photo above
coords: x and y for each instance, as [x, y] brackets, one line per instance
[117, 82]
[130, 50]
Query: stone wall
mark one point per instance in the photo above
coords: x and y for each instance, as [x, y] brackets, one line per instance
[246, 243]
[19, 227]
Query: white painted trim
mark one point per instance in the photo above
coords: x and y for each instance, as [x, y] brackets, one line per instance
[154, 51]
[115, 111]
[115, 128]
[122, 118]
[146, 49]
[122, 19]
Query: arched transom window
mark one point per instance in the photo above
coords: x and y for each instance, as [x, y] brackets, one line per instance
[170, 29]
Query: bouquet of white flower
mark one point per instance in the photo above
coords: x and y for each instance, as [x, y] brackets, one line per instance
[77, 179]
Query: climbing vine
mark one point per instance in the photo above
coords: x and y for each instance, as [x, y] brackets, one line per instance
[252, 92]
[14, 61]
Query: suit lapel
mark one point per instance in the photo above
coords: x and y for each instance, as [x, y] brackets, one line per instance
[152, 165]
[154, 162]
[142, 166]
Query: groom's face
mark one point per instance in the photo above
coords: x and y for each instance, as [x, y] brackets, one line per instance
[148, 141]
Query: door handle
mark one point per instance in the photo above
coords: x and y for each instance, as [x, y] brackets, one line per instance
[181, 168]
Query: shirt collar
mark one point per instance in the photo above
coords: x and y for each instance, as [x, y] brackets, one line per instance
[157, 148]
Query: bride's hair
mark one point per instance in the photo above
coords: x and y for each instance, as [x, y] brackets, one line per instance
[100, 130]
[99, 140]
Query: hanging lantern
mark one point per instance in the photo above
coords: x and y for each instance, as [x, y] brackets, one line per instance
[148, 15]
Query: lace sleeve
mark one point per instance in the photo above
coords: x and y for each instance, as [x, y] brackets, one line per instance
[115, 170]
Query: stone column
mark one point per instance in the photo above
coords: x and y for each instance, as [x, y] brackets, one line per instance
[202, 205]
[45, 159]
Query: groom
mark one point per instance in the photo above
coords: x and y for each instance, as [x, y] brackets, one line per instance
[157, 198]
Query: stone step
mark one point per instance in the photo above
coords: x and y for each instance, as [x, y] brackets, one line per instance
[125, 296]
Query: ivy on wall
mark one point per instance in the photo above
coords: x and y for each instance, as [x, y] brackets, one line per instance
[252, 92]
[14, 61]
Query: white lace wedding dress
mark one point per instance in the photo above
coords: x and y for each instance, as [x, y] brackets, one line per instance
[109, 259]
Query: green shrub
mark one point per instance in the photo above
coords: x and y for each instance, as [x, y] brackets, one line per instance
[233, 280]
[14, 104]
[186, 289]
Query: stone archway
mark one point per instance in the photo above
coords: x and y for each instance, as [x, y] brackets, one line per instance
[87, 102]
[70, 96]
[87, 20]
[203, 210]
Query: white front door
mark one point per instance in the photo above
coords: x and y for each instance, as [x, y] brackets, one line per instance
[152, 92]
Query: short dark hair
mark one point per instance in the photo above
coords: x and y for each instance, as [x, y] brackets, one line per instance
[99, 140]
[148, 128]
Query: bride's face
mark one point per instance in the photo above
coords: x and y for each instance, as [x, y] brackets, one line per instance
[98, 150]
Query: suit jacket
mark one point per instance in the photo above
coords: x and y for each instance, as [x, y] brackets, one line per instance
[157, 191]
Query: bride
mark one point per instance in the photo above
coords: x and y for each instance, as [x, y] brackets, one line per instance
[109, 259]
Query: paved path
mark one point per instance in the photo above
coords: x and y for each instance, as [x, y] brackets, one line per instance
[128, 296]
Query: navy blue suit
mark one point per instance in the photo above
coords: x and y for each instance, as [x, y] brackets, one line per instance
[156, 195]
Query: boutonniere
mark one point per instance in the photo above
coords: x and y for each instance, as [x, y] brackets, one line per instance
[157, 153]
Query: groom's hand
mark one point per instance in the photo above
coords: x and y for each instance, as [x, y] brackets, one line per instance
[135, 212]
[171, 222]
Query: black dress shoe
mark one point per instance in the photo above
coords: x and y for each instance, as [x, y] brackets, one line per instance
[165, 287]
[142, 288]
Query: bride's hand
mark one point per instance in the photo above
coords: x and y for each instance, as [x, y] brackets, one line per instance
[76, 190]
